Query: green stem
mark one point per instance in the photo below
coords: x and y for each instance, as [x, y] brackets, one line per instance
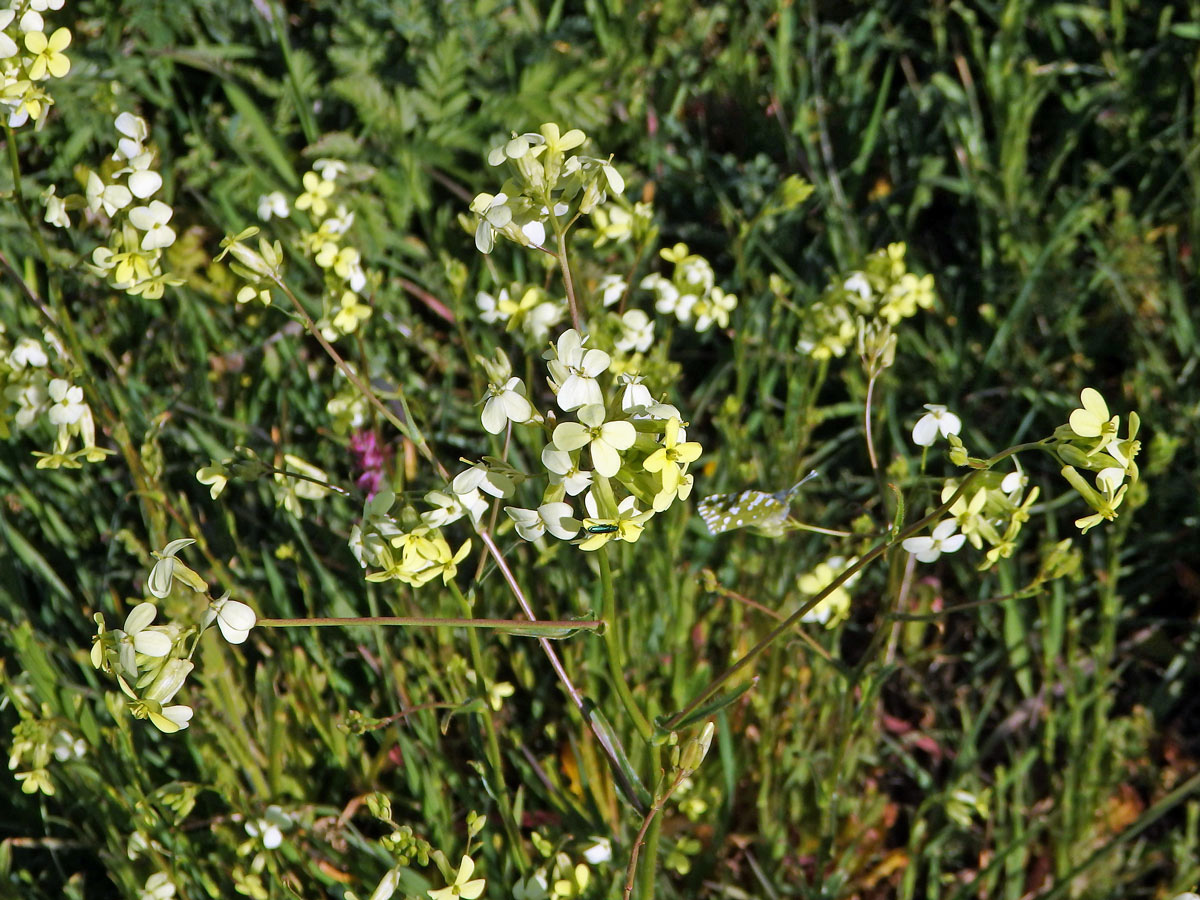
[302, 108]
[616, 650]
[520, 626]
[59, 318]
[649, 867]
[493, 743]
[560, 235]
[409, 428]
[865, 560]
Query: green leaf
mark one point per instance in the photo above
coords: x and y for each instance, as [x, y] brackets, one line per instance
[626, 777]
[264, 136]
[707, 710]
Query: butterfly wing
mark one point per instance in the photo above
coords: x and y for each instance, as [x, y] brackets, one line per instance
[759, 510]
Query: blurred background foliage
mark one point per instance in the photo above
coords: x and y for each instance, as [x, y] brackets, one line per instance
[1041, 160]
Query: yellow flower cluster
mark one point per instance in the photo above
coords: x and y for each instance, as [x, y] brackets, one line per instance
[123, 190]
[29, 58]
[691, 294]
[326, 245]
[881, 289]
[31, 394]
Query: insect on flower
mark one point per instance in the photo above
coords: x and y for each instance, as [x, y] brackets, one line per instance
[602, 529]
[766, 513]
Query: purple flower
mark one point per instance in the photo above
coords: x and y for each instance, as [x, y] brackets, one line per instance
[370, 460]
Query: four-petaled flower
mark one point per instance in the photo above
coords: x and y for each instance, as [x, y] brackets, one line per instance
[140, 637]
[555, 518]
[68, 406]
[575, 370]
[505, 404]
[938, 418]
[493, 215]
[606, 439]
[671, 461]
[316, 190]
[1092, 421]
[942, 540]
[49, 56]
[463, 886]
[234, 618]
[626, 525]
[153, 220]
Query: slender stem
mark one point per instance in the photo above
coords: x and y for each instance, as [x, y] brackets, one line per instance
[287, 473]
[523, 602]
[520, 626]
[631, 869]
[493, 742]
[408, 429]
[867, 426]
[305, 114]
[616, 650]
[560, 234]
[864, 561]
[650, 864]
[568, 283]
[794, 525]
[59, 318]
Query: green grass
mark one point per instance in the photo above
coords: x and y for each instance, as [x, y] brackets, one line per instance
[1039, 160]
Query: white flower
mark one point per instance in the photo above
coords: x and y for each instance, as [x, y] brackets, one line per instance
[135, 132]
[1109, 479]
[493, 214]
[270, 827]
[555, 518]
[505, 404]
[273, 204]
[599, 852]
[543, 317]
[564, 471]
[56, 209]
[534, 233]
[942, 540]
[141, 638]
[938, 418]
[110, 196]
[153, 220]
[858, 284]
[8, 47]
[490, 309]
[696, 272]
[66, 746]
[168, 569]
[144, 182]
[637, 332]
[27, 352]
[450, 507]
[635, 398]
[165, 686]
[605, 439]
[575, 371]
[387, 885]
[68, 406]
[329, 169]
[715, 307]
[493, 481]
[339, 222]
[158, 887]
[234, 618]
[611, 288]
[32, 21]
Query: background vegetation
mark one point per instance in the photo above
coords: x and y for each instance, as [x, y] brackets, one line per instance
[1041, 160]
